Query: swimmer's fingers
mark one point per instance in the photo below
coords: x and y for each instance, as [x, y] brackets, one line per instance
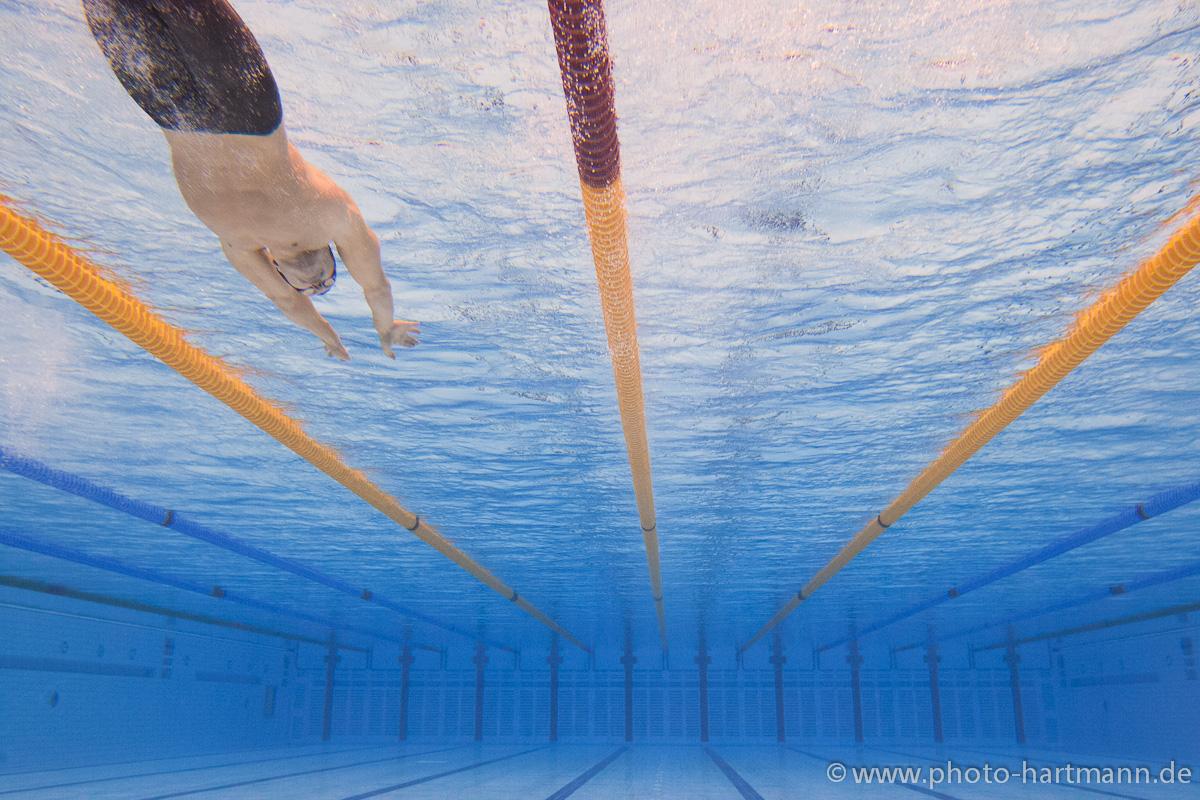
[337, 350]
[402, 333]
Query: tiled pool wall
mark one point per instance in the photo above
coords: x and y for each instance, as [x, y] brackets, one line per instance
[78, 685]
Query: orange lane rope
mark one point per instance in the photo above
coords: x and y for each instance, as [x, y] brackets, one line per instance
[581, 39]
[77, 277]
[1092, 328]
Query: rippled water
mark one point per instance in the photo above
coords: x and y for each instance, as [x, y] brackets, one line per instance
[852, 225]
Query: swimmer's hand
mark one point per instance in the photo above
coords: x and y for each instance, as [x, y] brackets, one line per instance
[336, 350]
[402, 333]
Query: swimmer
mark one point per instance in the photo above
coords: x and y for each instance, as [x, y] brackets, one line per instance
[198, 72]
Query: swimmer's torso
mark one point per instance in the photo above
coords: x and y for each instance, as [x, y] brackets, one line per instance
[256, 191]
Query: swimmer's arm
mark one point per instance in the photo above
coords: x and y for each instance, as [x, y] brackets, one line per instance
[359, 249]
[253, 264]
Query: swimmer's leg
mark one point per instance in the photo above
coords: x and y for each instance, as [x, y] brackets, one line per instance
[192, 66]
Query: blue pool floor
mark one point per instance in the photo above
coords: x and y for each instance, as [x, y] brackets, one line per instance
[553, 772]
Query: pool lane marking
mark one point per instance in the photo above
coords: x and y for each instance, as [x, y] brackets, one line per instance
[912, 787]
[270, 778]
[1099, 791]
[577, 784]
[434, 777]
[745, 789]
[216, 754]
[988, 755]
[183, 769]
[1048, 754]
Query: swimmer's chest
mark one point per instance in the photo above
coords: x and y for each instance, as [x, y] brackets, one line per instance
[254, 193]
[254, 217]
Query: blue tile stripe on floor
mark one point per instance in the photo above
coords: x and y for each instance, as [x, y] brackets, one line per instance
[575, 785]
[96, 764]
[1100, 791]
[269, 778]
[447, 773]
[183, 769]
[747, 791]
[912, 787]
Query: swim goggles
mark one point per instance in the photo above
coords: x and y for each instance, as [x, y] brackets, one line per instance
[316, 289]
